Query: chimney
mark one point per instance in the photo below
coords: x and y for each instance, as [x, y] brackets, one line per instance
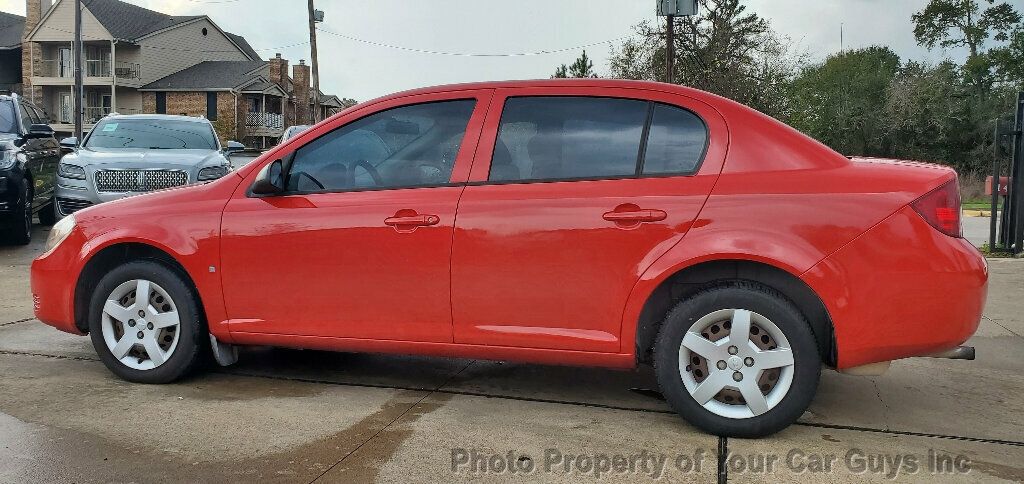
[32, 52]
[34, 11]
[278, 70]
[300, 82]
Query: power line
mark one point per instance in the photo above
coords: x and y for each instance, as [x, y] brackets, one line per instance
[469, 54]
[376, 44]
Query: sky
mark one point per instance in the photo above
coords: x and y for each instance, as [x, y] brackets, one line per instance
[362, 70]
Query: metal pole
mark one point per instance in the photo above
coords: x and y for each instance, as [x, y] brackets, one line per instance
[79, 96]
[995, 194]
[670, 50]
[1017, 181]
[316, 70]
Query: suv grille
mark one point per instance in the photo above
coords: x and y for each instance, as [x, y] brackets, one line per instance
[68, 206]
[138, 180]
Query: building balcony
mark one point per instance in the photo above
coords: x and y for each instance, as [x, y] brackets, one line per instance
[264, 124]
[54, 72]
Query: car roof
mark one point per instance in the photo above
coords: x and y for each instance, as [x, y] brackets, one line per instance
[563, 83]
[168, 117]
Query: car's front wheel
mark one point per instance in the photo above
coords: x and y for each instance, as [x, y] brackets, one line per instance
[145, 323]
[21, 218]
[737, 360]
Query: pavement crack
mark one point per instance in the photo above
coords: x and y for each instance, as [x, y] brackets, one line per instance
[906, 433]
[885, 414]
[1008, 330]
[47, 355]
[723, 460]
[16, 322]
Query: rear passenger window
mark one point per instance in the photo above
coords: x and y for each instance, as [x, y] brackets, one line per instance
[564, 138]
[676, 141]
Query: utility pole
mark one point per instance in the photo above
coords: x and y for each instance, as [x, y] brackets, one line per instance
[670, 51]
[79, 91]
[316, 65]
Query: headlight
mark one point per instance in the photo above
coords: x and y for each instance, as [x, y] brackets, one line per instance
[71, 171]
[212, 172]
[8, 158]
[59, 232]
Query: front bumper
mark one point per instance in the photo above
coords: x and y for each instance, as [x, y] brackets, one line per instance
[10, 190]
[53, 280]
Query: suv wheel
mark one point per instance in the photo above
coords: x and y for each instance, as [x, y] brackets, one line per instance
[145, 323]
[21, 218]
[737, 360]
[48, 214]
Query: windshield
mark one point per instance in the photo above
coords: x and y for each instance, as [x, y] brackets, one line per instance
[8, 122]
[152, 134]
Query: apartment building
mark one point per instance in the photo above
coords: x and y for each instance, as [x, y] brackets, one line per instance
[137, 60]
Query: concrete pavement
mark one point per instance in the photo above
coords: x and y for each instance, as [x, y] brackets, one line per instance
[303, 416]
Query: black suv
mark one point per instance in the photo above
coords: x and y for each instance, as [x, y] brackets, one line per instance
[29, 155]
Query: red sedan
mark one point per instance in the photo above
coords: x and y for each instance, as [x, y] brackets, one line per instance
[580, 222]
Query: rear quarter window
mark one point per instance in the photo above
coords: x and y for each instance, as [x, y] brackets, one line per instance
[676, 142]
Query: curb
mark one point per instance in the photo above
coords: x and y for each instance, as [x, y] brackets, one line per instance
[977, 213]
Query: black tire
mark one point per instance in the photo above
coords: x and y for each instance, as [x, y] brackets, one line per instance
[193, 342]
[20, 226]
[764, 301]
[48, 214]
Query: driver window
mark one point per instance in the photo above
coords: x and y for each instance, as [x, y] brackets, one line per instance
[407, 146]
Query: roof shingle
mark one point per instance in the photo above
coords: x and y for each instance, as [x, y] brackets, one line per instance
[244, 45]
[11, 29]
[129, 22]
[209, 75]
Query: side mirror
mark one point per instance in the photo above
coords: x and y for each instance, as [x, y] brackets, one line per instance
[270, 180]
[233, 147]
[39, 131]
[69, 143]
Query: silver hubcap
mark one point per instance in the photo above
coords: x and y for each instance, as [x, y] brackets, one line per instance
[140, 324]
[736, 363]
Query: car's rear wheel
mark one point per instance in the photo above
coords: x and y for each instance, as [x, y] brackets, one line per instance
[145, 323]
[737, 360]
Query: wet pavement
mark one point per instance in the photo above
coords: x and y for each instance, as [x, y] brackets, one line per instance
[303, 416]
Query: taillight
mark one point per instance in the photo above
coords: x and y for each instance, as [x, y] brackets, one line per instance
[941, 208]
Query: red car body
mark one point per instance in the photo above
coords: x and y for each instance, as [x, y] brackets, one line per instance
[534, 271]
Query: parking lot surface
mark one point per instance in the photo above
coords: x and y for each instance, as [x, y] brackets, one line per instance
[303, 416]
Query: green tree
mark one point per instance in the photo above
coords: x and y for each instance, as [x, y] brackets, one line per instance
[933, 113]
[963, 23]
[725, 50]
[582, 67]
[841, 101]
[1008, 60]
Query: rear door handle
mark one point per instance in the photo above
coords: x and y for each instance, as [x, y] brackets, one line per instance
[636, 216]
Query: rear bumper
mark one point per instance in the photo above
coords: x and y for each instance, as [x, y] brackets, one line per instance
[901, 289]
[53, 280]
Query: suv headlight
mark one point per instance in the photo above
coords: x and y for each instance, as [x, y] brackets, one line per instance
[212, 172]
[59, 232]
[9, 157]
[71, 171]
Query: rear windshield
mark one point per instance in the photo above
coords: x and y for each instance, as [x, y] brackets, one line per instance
[152, 134]
[8, 121]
